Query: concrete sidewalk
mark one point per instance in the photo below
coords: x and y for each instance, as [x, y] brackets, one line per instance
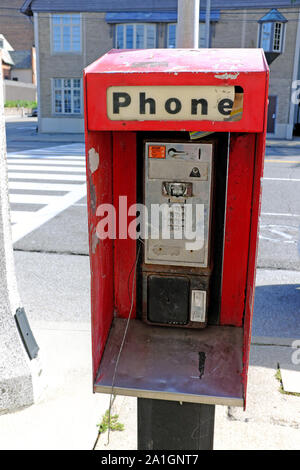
[55, 293]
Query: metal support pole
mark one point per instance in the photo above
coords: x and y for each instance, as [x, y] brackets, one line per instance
[169, 425]
[187, 35]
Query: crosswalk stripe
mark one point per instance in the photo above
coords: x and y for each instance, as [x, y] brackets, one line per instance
[42, 162]
[56, 149]
[34, 175]
[47, 213]
[49, 156]
[18, 216]
[31, 199]
[45, 168]
[25, 185]
[46, 176]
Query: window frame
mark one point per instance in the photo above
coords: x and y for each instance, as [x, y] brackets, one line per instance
[145, 25]
[72, 52]
[272, 36]
[72, 88]
[175, 24]
[280, 36]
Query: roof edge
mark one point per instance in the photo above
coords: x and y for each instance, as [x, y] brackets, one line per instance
[26, 8]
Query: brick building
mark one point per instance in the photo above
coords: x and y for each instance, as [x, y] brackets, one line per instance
[70, 34]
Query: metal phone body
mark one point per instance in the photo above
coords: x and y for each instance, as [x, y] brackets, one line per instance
[178, 194]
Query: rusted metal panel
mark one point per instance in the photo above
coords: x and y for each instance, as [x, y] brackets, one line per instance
[124, 184]
[237, 228]
[99, 190]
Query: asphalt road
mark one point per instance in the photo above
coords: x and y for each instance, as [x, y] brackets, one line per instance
[279, 237]
[64, 231]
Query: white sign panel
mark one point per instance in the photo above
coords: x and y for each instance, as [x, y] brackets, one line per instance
[170, 103]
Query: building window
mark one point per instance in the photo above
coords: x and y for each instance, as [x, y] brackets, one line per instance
[67, 95]
[266, 35]
[271, 37]
[277, 37]
[171, 40]
[135, 36]
[271, 32]
[66, 34]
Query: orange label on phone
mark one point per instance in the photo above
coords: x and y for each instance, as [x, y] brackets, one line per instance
[157, 151]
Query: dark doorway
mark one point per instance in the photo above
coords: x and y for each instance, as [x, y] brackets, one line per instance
[272, 114]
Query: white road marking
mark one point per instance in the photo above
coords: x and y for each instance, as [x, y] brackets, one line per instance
[17, 216]
[34, 166]
[282, 179]
[45, 161]
[26, 186]
[64, 169]
[47, 213]
[43, 156]
[50, 176]
[279, 214]
[32, 199]
[286, 234]
[282, 234]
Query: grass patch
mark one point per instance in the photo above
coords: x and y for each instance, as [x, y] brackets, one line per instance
[20, 104]
[281, 389]
[113, 425]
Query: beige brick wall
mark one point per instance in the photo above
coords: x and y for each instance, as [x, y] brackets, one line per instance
[96, 40]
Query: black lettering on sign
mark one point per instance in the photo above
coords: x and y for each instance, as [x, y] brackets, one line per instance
[120, 100]
[144, 101]
[225, 106]
[202, 102]
[173, 106]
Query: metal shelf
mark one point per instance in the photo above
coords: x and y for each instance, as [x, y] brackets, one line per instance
[166, 363]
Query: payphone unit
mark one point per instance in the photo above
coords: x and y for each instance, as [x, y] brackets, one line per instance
[178, 135]
[179, 185]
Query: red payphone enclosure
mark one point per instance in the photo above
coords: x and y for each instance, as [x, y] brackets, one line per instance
[163, 362]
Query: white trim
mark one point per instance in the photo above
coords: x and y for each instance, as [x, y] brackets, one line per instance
[283, 37]
[281, 34]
